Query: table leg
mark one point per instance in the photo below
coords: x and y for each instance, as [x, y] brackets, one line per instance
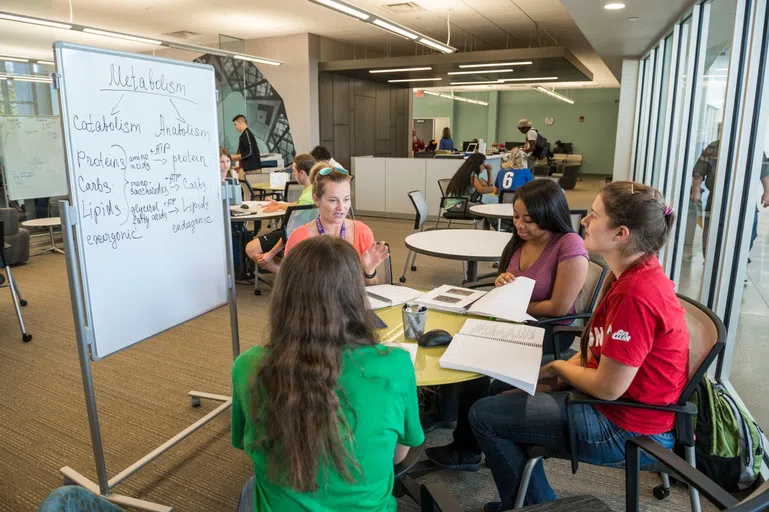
[472, 271]
[241, 272]
[53, 244]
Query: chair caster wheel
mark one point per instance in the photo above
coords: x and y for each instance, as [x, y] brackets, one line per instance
[660, 492]
[26, 337]
[195, 400]
[23, 302]
[495, 265]
[413, 269]
[257, 292]
[402, 279]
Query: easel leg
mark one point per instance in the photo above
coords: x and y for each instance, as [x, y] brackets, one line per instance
[72, 477]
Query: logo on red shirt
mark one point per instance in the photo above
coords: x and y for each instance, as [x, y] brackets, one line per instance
[621, 335]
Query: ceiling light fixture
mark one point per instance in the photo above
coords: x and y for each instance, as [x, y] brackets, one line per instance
[27, 78]
[614, 6]
[260, 60]
[478, 83]
[395, 29]
[399, 70]
[414, 80]
[633, 18]
[494, 64]
[47, 62]
[455, 98]
[13, 59]
[384, 24]
[480, 72]
[343, 8]
[34, 21]
[431, 93]
[539, 79]
[554, 94]
[438, 46]
[118, 35]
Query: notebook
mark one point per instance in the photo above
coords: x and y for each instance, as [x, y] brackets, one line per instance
[511, 353]
[411, 348]
[507, 302]
[386, 295]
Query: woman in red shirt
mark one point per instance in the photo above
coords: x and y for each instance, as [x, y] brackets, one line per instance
[636, 346]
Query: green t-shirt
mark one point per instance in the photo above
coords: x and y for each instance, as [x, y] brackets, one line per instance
[380, 386]
[305, 197]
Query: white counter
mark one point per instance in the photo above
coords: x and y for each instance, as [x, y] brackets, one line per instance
[381, 185]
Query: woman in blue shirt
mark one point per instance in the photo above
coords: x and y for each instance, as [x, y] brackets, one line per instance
[446, 142]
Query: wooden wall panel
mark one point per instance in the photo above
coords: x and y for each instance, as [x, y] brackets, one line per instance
[341, 100]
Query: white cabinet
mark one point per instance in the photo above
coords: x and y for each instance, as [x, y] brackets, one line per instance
[403, 176]
[370, 179]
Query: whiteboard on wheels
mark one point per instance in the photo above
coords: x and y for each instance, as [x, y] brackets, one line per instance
[143, 173]
[33, 157]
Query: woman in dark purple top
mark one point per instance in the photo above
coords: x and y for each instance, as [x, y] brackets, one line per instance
[545, 248]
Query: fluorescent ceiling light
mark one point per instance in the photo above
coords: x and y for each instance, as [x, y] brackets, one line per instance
[100, 32]
[437, 46]
[344, 8]
[398, 70]
[528, 79]
[478, 83]
[14, 59]
[394, 29]
[415, 80]
[257, 59]
[449, 96]
[455, 98]
[431, 93]
[480, 72]
[48, 62]
[491, 65]
[34, 21]
[27, 78]
[555, 94]
[613, 6]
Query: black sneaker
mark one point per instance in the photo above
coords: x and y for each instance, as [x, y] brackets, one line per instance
[452, 456]
[430, 422]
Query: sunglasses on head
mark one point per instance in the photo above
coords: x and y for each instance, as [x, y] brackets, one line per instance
[328, 170]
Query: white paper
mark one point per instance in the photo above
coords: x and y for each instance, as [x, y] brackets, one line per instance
[411, 348]
[395, 295]
[278, 179]
[508, 302]
[454, 299]
[508, 352]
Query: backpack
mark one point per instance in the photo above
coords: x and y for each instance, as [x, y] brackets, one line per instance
[729, 445]
[540, 147]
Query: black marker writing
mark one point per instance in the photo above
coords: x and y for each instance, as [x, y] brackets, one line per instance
[123, 79]
[181, 130]
[93, 186]
[100, 161]
[113, 124]
[112, 238]
[100, 210]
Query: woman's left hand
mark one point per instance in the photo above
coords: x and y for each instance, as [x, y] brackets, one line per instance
[375, 255]
[549, 370]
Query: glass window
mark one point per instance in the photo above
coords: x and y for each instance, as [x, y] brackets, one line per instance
[702, 161]
[660, 134]
[679, 103]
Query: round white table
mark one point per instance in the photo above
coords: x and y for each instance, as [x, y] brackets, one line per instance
[497, 211]
[468, 245]
[45, 222]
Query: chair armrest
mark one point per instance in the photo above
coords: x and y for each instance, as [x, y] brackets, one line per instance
[575, 398]
[562, 331]
[412, 457]
[679, 467]
[554, 319]
[479, 284]
[436, 497]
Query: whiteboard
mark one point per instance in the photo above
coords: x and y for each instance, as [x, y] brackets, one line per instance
[143, 173]
[33, 157]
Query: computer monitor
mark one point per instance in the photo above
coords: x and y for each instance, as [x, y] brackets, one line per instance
[512, 145]
[471, 147]
[465, 144]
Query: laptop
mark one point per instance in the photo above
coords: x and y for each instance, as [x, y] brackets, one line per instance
[471, 147]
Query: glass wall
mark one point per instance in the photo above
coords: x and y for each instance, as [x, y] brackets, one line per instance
[711, 160]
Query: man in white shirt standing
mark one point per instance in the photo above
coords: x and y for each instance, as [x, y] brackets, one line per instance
[524, 126]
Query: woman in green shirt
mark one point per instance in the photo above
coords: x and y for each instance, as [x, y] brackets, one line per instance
[323, 410]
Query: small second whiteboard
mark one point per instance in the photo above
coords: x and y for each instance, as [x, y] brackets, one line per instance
[143, 173]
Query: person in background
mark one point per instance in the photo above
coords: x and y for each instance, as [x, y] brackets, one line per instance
[635, 347]
[524, 126]
[248, 151]
[446, 142]
[417, 144]
[560, 148]
[302, 404]
[225, 165]
[432, 146]
[467, 183]
[331, 194]
[514, 173]
[264, 249]
[545, 248]
[321, 154]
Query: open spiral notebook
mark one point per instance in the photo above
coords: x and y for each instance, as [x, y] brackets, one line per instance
[509, 352]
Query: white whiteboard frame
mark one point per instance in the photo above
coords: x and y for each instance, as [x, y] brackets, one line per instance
[8, 198]
[69, 160]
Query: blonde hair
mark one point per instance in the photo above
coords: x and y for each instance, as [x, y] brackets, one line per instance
[319, 181]
[518, 159]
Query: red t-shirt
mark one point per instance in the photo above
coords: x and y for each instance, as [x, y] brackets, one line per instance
[644, 327]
